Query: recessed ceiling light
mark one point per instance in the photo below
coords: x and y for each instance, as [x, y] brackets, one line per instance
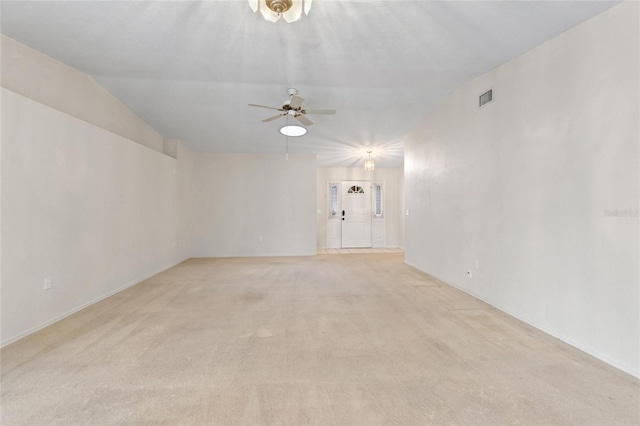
[293, 130]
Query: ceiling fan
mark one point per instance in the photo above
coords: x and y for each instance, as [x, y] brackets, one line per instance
[293, 107]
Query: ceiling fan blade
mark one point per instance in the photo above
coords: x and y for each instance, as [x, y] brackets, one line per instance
[296, 101]
[266, 120]
[319, 111]
[304, 120]
[268, 107]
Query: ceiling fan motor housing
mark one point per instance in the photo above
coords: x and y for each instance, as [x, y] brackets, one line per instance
[293, 107]
[279, 6]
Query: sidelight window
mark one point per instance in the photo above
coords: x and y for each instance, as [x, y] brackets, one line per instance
[377, 210]
[333, 199]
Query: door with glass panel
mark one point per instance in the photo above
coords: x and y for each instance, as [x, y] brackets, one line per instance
[356, 214]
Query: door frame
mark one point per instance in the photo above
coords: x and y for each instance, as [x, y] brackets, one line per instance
[333, 218]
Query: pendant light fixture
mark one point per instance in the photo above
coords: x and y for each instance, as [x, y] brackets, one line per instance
[368, 163]
[272, 10]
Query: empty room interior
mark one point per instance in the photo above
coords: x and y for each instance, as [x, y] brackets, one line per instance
[320, 212]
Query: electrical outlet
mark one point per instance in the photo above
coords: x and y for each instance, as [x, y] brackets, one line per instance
[260, 238]
[469, 273]
[47, 283]
[407, 212]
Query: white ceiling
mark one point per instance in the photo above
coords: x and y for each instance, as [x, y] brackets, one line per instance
[189, 68]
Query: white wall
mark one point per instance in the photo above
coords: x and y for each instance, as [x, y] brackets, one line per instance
[242, 197]
[92, 210]
[529, 186]
[392, 178]
[50, 82]
[401, 218]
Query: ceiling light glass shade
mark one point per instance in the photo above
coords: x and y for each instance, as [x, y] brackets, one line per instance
[272, 10]
[368, 163]
[293, 130]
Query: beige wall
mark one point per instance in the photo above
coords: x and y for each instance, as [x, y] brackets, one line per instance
[524, 192]
[88, 197]
[254, 205]
[50, 82]
[92, 210]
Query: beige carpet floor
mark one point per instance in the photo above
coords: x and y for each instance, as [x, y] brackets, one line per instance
[348, 339]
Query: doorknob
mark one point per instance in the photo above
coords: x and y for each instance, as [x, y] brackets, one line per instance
[342, 212]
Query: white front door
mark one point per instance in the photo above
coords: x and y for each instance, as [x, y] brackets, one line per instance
[356, 214]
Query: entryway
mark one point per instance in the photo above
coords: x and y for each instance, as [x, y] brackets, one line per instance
[355, 217]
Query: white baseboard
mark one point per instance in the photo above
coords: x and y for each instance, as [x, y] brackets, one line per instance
[544, 328]
[83, 306]
[232, 255]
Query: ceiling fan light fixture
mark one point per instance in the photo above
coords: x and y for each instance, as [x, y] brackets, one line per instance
[272, 10]
[293, 108]
[293, 131]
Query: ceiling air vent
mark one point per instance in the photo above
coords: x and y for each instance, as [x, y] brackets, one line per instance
[486, 97]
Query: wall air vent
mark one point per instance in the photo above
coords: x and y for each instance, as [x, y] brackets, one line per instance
[485, 98]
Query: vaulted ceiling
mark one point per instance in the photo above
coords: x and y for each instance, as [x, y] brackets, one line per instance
[189, 68]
